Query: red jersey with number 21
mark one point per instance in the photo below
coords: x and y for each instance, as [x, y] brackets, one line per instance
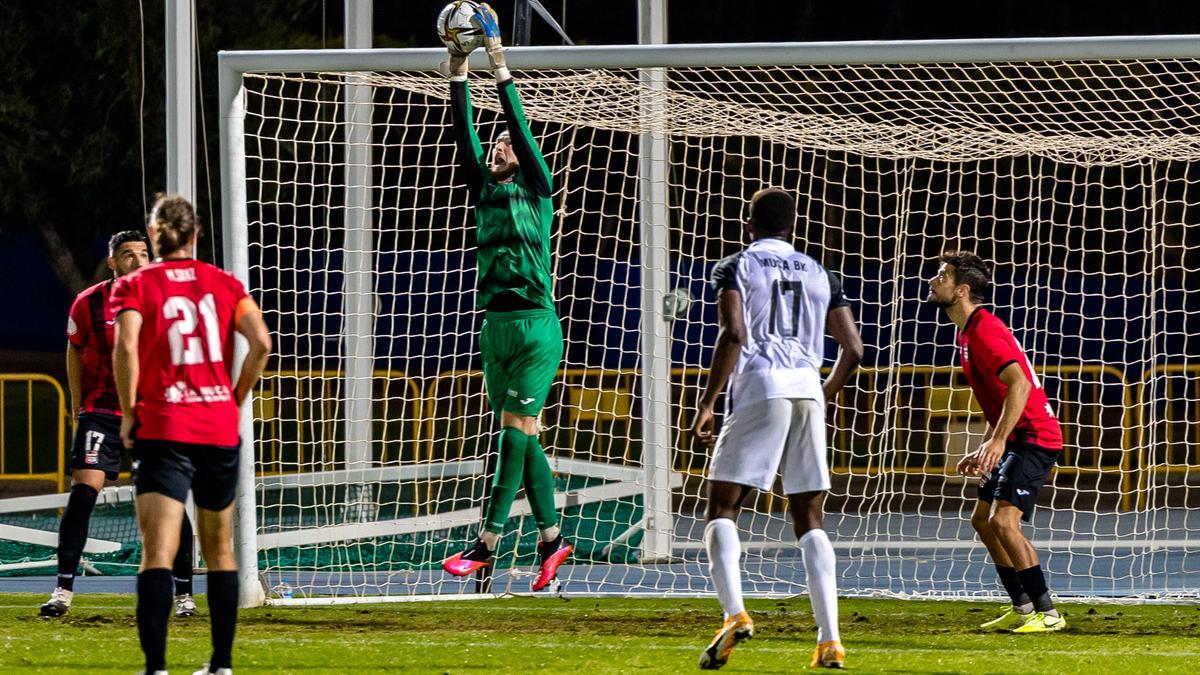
[185, 350]
[986, 347]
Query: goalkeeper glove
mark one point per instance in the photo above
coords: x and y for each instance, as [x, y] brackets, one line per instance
[456, 68]
[489, 23]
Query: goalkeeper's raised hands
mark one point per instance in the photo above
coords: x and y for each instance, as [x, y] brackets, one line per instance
[456, 67]
[489, 23]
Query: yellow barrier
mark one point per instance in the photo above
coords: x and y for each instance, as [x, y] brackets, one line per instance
[59, 444]
[597, 401]
[878, 418]
[1149, 466]
[324, 408]
[899, 405]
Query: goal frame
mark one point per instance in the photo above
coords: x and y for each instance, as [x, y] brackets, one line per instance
[233, 65]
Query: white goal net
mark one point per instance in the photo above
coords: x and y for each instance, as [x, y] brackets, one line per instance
[1075, 177]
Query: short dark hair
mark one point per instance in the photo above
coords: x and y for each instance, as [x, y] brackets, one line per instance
[971, 270]
[125, 237]
[773, 212]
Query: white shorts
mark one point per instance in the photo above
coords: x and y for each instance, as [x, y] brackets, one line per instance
[758, 436]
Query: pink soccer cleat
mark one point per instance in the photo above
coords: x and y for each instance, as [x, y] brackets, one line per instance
[553, 554]
[463, 564]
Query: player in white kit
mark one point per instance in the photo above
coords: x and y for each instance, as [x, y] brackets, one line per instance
[774, 307]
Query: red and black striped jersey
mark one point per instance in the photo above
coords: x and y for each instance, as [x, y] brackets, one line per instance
[90, 330]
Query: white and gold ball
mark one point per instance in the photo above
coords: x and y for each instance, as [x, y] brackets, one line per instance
[455, 27]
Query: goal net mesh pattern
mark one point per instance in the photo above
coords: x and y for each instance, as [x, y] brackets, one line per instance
[1075, 178]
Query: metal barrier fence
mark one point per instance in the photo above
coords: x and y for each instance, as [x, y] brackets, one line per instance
[30, 424]
[894, 420]
[1171, 445]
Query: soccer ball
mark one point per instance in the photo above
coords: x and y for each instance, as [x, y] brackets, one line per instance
[458, 32]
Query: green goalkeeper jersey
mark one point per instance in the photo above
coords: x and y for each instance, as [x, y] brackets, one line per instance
[512, 218]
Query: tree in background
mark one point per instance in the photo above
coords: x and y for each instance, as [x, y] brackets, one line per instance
[80, 119]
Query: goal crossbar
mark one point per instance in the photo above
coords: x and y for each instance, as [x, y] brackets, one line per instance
[234, 63]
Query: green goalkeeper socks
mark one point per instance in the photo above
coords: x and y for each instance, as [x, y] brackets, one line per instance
[521, 459]
[539, 484]
[507, 479]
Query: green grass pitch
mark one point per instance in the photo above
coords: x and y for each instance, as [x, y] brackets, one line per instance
[586, 635]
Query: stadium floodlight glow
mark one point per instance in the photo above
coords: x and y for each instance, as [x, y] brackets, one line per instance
[1069, 162]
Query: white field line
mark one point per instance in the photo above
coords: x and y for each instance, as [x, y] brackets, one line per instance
[590, 641]
[586, 641]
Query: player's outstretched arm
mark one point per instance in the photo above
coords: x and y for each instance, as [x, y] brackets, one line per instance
[251, 325]
[126, 368]
[842, 327]
[725, 356]
[534, 171]
[74, 377]
[1015, 398]
[471, 158]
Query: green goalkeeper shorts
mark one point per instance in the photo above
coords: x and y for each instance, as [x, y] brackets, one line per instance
[521, 354]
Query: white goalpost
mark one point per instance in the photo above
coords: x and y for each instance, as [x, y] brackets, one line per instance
[1070, 163]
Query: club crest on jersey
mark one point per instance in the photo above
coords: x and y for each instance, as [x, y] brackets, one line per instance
[182, 274]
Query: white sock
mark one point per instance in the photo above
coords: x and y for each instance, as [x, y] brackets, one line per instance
[821, 567]
[724, 563]
[550, 533]
[489, 539]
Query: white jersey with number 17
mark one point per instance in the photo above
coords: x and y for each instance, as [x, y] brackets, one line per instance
[786, 296]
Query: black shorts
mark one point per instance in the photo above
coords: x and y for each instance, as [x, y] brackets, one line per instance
[172, 468]
[1022, 471]
[97, 445]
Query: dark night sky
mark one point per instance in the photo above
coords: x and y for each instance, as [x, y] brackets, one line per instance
[615, 21]
[100, 44]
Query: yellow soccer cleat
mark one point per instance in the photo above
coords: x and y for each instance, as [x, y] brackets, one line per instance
[829, 655]
[1041, 623]
[737, 628]
[1007, 621]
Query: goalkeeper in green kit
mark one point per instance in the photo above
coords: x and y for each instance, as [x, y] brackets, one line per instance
[521, 341]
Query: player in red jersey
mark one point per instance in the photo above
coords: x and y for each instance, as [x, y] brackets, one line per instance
[1021, 445]
[172, 358]
[97, 448]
